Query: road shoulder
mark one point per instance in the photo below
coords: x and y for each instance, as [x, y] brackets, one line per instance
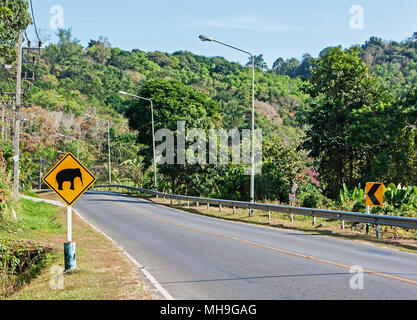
[103, 270]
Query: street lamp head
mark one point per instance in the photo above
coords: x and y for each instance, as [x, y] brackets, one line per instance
[123, 93]
[205, 38]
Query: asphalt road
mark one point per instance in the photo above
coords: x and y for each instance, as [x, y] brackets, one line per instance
[197, 257]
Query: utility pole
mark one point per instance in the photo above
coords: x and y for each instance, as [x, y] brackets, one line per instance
[16, 130]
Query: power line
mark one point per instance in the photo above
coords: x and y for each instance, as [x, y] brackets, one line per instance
[34, 22]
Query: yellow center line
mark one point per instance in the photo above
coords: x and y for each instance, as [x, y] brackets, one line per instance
[253, 243]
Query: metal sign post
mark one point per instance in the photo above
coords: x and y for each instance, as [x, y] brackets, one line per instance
[69, 247]
[69, 222]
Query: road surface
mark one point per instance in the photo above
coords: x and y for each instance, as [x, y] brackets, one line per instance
[197, 257]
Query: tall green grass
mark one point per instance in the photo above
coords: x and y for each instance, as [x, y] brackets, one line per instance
[39, 216]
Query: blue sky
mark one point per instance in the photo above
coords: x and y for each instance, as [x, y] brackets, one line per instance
[274, 28]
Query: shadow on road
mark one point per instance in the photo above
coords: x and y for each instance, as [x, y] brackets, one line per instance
[277, 277]
[258, 277]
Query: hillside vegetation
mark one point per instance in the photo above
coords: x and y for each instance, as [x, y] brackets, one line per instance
[347, 116]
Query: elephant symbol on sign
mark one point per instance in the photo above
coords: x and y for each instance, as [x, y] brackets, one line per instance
[68, 175]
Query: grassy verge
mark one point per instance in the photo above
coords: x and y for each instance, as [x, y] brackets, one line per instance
[103, 271]
[390, 236]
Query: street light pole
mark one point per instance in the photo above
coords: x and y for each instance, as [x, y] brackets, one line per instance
[153, 132]
[252, 180]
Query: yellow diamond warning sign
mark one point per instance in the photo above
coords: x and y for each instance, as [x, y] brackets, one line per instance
[69, 179]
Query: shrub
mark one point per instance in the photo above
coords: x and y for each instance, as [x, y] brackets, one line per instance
[309, 195]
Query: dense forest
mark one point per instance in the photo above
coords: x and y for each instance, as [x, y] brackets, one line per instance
[329, 123]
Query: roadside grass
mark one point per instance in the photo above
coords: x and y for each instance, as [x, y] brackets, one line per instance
[393, 237]
[20, 247]
[103, 273]
[40, 218]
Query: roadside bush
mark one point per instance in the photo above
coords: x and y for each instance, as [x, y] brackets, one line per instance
[19, 262]
[398, 201]
[359, 206]
[399, 197]
[310, 196]
[6, 200]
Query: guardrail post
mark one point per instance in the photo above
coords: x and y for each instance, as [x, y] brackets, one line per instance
[269, 215]
[188, 204]
[197, 204]
[208, 205]
[368, 211]
[343, 225]
[314, 221]
[378, 231]
[234, 210]
[292, 217]
[170, 201]
[220, 207]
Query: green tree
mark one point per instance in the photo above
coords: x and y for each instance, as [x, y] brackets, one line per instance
[99, 50]
[282, 166]
[287, 67]
[341, 86]
[259, 62]
[173, 102]
[14, 18]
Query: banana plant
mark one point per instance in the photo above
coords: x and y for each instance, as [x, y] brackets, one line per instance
[358, 194]
[398, 196]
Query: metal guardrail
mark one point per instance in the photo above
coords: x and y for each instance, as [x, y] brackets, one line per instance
[404, 222]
